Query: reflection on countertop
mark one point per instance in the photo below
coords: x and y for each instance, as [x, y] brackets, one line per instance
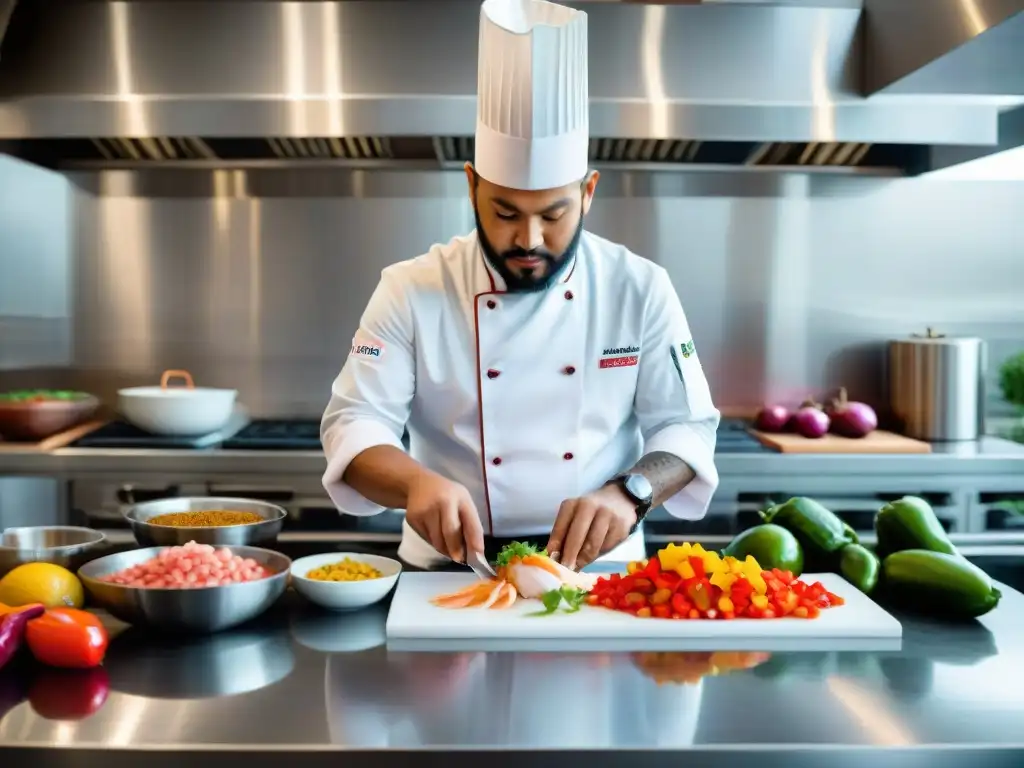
[303, 679]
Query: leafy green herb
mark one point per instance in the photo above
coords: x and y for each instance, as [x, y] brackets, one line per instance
[553, 599]
[573, 597]
[517, 549]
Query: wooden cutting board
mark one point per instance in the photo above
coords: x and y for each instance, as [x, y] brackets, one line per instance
[878, 441]
[413, 617]
[53, 442]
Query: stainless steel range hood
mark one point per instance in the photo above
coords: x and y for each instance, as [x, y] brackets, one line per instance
[392, 82]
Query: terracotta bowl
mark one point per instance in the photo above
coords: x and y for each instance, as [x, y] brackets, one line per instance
[38, 420]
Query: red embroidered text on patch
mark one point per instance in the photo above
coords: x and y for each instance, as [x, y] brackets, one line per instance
[619, 362]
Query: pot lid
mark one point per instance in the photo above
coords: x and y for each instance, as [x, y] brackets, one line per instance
[187, 389]
[932, 336]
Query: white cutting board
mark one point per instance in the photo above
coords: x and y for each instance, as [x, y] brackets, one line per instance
[414, 623]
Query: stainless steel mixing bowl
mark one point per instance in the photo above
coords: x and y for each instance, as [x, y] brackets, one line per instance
[222, 535]
[199, 610]
[63, 545]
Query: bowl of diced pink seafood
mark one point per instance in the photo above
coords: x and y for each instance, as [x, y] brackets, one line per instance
[194, 588]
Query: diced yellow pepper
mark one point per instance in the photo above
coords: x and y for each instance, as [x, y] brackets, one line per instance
[673, 554]
[632, 567]
[752, 573]
[685, 570]
[734, 565]
[712, 563]
[723, 580]
[759, 601]
[725, 605]
[697, 549]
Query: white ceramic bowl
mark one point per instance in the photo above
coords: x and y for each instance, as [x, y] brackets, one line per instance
[345, 595]
[180, 410]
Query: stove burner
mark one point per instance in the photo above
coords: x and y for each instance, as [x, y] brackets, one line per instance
[121, 434]
[276, 435]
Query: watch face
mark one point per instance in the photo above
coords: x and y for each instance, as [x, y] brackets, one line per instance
[639, 487]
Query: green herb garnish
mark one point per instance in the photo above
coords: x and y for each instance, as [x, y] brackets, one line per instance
[517, 549]
[553, 599]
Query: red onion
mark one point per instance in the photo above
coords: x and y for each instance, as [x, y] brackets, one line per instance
[851, 419]
[772, 418]
[810, 421]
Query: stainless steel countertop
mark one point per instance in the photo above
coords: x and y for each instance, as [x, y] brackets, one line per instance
[989, 456]
[301, 684]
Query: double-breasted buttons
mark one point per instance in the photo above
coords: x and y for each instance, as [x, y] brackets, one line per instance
[568, 295]
[493, 374]
[569, 370]
[492, 304]
[496, 460]
[567, 456]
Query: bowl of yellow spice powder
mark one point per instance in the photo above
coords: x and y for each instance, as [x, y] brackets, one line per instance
[205, 520]
[345, 581]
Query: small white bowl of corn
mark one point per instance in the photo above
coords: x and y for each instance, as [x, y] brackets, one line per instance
[345, 581]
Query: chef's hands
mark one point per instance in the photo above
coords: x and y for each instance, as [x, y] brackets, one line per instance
[443, 513]
[591, 525]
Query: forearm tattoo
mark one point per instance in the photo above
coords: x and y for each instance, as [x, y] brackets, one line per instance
[667, 474]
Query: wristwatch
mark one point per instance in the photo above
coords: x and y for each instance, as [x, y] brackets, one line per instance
[640, 490]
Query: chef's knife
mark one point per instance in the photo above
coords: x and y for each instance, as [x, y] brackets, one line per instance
[478, 563]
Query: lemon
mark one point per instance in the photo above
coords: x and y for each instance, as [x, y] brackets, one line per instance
[45, 583]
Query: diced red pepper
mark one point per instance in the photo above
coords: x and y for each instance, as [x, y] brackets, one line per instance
[653, 567]
[697, 563]
[643, 585]
[786, 577]
[667, 580]
[680, 604]
[662, 611]
[741, 589]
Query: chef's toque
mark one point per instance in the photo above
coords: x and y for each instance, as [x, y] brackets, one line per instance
[532, 127]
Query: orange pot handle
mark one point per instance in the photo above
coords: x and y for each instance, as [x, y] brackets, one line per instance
[168, 375]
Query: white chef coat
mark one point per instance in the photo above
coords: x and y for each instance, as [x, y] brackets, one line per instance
[526, 399]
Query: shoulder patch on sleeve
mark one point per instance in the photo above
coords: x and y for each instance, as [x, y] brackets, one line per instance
[367, 347]
[687, 349]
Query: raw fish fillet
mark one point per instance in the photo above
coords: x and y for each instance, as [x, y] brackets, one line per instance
[522, 572]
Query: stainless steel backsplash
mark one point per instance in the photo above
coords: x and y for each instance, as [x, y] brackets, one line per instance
[791, 285]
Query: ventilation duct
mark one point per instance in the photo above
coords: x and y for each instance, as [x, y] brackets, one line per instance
[391, 83]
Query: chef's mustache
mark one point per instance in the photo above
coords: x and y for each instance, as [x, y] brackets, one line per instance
[520, 253]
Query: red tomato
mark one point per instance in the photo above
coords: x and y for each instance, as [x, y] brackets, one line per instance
[68, 638]
[68, 694]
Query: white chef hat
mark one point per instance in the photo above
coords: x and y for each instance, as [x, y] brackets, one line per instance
[532, 127]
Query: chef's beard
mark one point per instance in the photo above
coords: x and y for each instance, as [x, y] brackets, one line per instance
[527, 280]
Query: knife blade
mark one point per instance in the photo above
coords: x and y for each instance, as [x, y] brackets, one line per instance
[479, 565]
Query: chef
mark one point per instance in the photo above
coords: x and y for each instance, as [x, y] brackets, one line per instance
[547, 377]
